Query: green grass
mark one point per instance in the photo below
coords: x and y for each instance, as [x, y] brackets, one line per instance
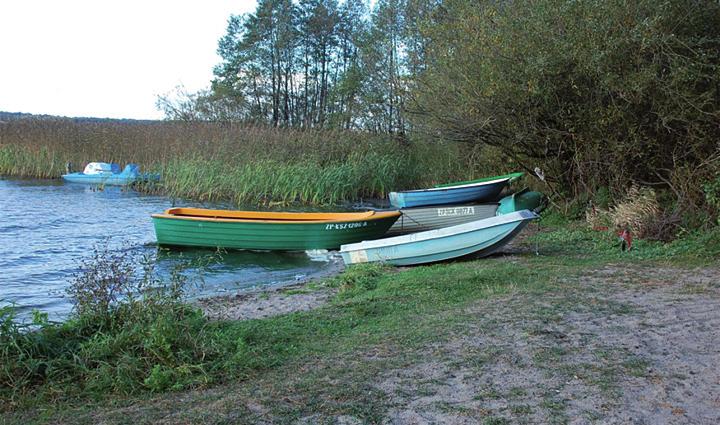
[585, 245]
[151, 350]
[165, 349]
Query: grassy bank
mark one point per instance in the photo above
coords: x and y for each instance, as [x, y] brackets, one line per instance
[237, 163]
[160, 345]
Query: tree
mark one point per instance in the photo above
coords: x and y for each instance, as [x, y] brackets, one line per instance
[600, 92]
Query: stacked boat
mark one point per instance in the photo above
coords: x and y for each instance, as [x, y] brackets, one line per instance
[427, 225]
[438, 229]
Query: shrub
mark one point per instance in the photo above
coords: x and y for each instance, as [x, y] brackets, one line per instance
[596, 93]
[637, 211]
[712, 195]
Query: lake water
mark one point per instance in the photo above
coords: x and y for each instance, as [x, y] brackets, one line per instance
[47, 227]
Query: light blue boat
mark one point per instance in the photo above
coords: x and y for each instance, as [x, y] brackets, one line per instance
[111, 175]
[480, 238]
[483, 190]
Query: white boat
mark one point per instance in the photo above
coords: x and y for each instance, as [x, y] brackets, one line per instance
[480, 237]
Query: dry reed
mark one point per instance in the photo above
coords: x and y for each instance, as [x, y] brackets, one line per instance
[234, 162]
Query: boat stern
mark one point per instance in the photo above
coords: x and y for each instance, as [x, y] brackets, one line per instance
[397, 199]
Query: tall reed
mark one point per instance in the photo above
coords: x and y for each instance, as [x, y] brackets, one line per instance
[234, 162]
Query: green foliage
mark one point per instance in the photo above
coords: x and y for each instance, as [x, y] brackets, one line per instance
[596, 93]
[712, 195]
[602, 198]
[359, 278]
[127, 333]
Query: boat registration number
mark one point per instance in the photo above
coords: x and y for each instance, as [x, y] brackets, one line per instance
[343, 226]
[450, 212]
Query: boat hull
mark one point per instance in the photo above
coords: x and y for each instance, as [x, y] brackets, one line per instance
[511, 177]
[480, 238]
[268, 235]
[421, 219]
[448, 195]
[109, 179]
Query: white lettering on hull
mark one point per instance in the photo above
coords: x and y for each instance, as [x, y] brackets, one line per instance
[456, 211]
[343, 226]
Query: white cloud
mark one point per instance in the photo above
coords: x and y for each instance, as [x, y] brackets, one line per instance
[106, 59]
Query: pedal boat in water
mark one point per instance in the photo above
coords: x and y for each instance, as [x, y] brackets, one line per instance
[421, 219]
[480, 190]
[259, 230]
[102, 173]
[478, 238]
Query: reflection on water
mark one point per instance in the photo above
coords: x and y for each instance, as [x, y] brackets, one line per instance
[47, 227]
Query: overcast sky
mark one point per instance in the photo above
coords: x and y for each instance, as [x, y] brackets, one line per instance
[106, 59]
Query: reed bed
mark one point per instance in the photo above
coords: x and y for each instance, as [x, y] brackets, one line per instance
[235, 162]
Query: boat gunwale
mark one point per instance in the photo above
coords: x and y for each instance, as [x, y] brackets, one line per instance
[449, 188]
[324, 218]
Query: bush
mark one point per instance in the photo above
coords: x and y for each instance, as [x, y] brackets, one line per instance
[637, 211]
[596, 93]
[712, 195]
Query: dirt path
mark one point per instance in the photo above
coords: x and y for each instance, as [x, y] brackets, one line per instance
[627, 346]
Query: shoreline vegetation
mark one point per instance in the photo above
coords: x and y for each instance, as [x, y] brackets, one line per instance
[139, 352]
[237, 163]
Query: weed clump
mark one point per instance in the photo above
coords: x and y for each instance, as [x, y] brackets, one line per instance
[359, 278]
[130, 331]
[637, 211]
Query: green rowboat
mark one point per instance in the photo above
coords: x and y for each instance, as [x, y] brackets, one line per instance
[259, 230]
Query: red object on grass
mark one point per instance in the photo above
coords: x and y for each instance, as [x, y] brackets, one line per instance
[626, 239]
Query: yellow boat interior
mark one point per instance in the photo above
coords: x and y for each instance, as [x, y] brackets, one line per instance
[268, 216]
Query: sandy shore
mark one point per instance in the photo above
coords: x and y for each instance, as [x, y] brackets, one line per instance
[302, 295]
[628, 345]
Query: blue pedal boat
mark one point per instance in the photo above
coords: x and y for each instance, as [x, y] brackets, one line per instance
[487, 189]
[112, 176]
[480, 238]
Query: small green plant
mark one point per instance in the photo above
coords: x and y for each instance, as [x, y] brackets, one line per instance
[712, 195]
[359, 278]
[103, 279]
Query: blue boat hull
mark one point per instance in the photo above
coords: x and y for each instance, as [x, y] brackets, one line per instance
[109, 179]
[452, 195]
[480, 238]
